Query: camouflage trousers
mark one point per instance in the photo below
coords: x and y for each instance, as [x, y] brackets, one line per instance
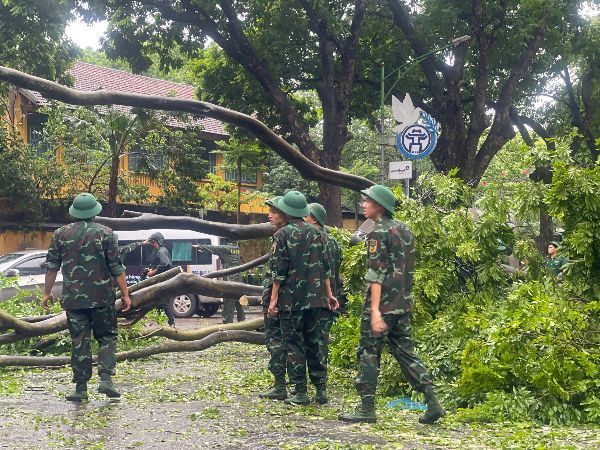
[399, 337]
[229, 304]
[307, 347]
[275, 347]
[81, 323]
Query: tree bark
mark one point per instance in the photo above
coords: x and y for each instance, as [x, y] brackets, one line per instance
[307, 168]
[248, 337]
[242, 268]
[145, 221]
[113, 180]
[176, 334]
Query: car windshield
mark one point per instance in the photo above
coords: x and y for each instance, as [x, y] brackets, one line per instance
[8, 258]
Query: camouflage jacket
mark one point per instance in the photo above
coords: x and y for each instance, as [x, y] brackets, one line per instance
[391, 260]
[89, 256]
[555, 265]
[300, 263]
[229, 256]
[335, 258]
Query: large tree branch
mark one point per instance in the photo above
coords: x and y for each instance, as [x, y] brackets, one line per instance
[248, 337]
[143, 300]
[148, 221]
[306, 167]
[429, 65]
[502, 130]
[238, 269]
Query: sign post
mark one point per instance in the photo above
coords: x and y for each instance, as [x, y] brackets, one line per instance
[402, 170]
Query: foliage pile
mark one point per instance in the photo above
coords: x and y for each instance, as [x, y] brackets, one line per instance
[501, 346]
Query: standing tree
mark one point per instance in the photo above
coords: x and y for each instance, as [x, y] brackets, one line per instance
[242, 158]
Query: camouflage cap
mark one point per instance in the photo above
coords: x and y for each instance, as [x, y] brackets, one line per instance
[318, 212]
[271, 201]
[293, 204]
[382, 195]
[85, 206]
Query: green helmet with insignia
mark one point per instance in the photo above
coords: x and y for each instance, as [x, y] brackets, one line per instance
[85, 206]
[293, 204]
[271, 201]
[318, 212]
[382, 195]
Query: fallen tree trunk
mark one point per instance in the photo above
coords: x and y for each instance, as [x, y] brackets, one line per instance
[142, 301]
[242, 268]
[142, 221]
[194, 334]
[248, 337]
[305, 166]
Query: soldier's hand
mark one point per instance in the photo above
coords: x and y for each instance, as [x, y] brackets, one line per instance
[47, 300]
[333, 303]
[273, 310]
[378, 325]
[125, 304]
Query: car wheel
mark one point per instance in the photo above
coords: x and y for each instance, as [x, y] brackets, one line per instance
[184, 305]
[210, 309]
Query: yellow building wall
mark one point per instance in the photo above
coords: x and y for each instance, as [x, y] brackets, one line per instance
[15, 240]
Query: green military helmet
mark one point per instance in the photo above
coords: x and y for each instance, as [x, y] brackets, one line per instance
[85, 206]
[158, 237]
[293, 204]
[382, 195]
[555, 243]
[271, 201]
[318, 212]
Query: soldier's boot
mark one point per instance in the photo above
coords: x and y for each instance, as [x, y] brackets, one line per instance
[365, 412]
[277, 392]
[321, 394]
[435, 411]
[300, 398]
[107, 386]
[79, 394]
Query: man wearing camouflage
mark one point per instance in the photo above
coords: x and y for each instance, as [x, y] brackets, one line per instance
[89, 256]
[301, 291]
[273, 337]
[387, 309]
[229, 255]
[317, 217]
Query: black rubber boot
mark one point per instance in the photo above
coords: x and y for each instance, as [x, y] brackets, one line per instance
[300, 398]
[277, 392]
[365, 412]
[79, 394]
[321, 395]
[107, 386]
[435, 411]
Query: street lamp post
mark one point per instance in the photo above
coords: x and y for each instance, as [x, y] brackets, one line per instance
[403, 70]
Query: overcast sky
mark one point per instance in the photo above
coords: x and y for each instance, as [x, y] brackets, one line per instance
[86, 35]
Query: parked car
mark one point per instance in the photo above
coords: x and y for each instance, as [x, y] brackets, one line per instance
[27, 265]
[179, 243]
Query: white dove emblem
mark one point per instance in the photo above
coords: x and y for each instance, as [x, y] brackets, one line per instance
[404, 112]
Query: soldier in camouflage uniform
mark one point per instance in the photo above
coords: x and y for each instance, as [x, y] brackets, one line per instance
[273, 337]
[317, 217]
[230, 257]
[301, 291]
[89, 256]
[387, 309]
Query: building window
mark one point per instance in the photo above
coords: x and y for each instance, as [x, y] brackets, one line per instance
[212, 163]
[248, 176]
[35, 132]
[144, 162]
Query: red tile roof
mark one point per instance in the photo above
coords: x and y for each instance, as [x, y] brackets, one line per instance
[89, 77]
